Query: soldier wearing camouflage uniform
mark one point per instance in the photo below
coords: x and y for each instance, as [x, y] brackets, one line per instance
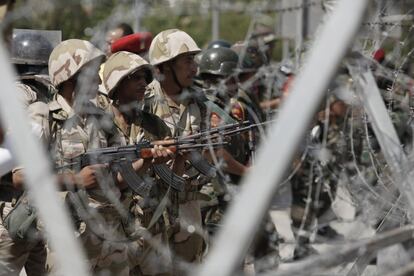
[174, 100]
[315, 183]
[78, 125]
[30, 54]
[218, 71]
[126, 77]
[246, 104]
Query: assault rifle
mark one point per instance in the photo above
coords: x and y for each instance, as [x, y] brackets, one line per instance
[224, 132]
[120, 161]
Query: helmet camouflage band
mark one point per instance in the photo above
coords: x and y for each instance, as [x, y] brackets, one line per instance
[120, 65]
[169, 44]
[218, 61]
[69, 57]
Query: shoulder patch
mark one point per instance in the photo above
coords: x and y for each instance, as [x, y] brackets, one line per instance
[237, 112]
[215, 120]
[54, 106]
[103, 102]
[56, 111]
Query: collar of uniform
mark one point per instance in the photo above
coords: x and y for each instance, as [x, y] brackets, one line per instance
[169, 100]
[65, 106]
[122, 125]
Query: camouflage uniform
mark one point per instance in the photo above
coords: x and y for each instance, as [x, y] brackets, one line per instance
[315, 184]
[183, 118]
[30, 52]
[216, 66]
[245, 105]
[72, 135]
[148, 127]
[16, 254]
[140, 126]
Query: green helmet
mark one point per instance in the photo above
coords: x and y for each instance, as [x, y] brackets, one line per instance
[69, 57]
[253, 58]
[120, 65]
[218, 61]
[219, 43]
[264, 29]
[31, 49]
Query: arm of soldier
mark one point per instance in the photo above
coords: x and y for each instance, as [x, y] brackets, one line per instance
[231, 165]
[38, 114]
[86, 178]
[271, 104]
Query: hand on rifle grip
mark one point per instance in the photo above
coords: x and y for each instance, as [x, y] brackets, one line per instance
[87, 177]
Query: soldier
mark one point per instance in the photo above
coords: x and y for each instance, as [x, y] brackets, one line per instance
[247, 105]
[264, 34]
[78, 125]
[174, 100]
[30, 54]
[217, 69]
[126, 77]
[217, 66]
[315, 183]
[121, 30]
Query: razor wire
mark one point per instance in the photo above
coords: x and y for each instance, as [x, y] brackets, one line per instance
[372, 191]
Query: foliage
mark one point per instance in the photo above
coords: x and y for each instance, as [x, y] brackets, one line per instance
[73, 17]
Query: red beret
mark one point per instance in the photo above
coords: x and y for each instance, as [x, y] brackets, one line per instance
[379, 55]
[134, 43]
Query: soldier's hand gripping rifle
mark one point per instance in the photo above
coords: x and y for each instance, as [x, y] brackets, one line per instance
[224, 132]
[196, 159]
[120, 161]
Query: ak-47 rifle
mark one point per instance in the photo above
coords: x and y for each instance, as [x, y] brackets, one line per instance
[225, 131]
[120, 161]
[244, 128]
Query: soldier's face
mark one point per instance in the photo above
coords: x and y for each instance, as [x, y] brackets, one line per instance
[132, 88]
[185, 69]
[88, 80]
[231, 84]
[111, 37]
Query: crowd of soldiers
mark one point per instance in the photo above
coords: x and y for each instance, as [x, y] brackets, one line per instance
[80, 99]
[144, 90]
